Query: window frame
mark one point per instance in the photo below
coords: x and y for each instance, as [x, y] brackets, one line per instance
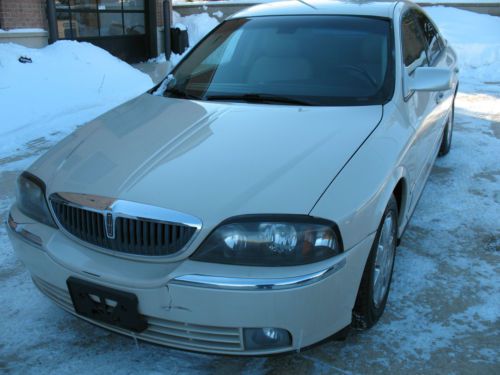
[439, 39]
[409, 70]
[96, 9]
[391, 69]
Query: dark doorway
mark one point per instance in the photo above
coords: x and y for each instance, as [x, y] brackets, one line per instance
[125, 28]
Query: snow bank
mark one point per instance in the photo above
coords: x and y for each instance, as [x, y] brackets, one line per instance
[22, 31]
[67, 84]
[475, 37]
[197, 25]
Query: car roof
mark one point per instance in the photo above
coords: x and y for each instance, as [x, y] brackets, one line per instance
[321, 7]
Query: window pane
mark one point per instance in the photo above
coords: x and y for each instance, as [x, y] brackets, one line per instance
[110, 5]
[62, 4]
[86, 24]
[111, 24]
[430, 34]
[63, 25]
[334, 60]
[134, 23]
[133, 5]
[83, 4]
[413, 44]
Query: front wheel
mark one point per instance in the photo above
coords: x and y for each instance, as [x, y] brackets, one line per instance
[377, 276]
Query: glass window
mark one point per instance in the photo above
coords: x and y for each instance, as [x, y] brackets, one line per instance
[133, 4]
[318, 60]
[111, 24]
[85, 24]
[134, 23]
[62, 4]
[413, 44]
[110, 4]
[430, 34]
[63, 25]
[83, 4]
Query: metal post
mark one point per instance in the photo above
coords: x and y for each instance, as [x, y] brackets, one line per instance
[51, 17]
[167, 20]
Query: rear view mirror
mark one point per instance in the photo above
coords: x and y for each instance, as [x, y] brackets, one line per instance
[180, 40]
[430, 79]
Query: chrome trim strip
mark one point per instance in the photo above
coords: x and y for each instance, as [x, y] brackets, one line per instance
[126, 209]
[237, 283]
[24, 234]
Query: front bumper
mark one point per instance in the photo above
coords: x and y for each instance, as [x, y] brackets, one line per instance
[199, 316]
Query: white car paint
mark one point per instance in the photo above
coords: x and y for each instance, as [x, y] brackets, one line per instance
[217, 160]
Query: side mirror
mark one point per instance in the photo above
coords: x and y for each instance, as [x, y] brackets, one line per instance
[179, 38]
[430, 79]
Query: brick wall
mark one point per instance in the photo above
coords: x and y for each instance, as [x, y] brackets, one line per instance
[31, 14]
[16, 14]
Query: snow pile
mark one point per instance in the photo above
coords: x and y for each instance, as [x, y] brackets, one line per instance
[67, 84]
[476, 40]
[197, 25]
[22, 31]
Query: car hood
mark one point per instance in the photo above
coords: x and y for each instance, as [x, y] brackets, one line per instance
[207, 159]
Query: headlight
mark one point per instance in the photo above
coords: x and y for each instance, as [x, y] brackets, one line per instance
[271, 240]
[31, 199]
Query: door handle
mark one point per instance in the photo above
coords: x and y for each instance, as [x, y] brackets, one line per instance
[439, 97]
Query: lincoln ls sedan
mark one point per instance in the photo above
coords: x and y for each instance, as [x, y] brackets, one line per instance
[253, 201]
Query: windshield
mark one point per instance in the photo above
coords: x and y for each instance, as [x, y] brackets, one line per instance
[310, 60]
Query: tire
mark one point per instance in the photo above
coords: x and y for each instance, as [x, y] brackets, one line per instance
[448, 133]
[371, 300]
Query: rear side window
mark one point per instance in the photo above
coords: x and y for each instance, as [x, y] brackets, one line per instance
[414, 45]
[431, 35]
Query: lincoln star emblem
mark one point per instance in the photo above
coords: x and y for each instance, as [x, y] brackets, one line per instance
[110, 225]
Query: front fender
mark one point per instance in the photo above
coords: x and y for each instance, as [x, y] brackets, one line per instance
[357, 198]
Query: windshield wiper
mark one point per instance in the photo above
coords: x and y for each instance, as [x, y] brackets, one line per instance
[259, 98]
[175, 92]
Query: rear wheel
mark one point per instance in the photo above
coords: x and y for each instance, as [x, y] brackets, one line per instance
[448, 133]
[377, 276]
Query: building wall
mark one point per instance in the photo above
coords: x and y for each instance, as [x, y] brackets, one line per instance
[15, 14]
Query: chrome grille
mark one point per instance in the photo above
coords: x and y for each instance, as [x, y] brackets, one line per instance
[162, 331]
[138, 236]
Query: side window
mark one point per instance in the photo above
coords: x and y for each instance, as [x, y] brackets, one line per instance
[413, 44]
[431, 35]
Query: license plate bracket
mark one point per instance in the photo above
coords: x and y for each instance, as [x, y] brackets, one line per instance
[106, 305]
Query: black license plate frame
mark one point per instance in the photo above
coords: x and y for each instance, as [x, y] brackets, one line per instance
[106, 305]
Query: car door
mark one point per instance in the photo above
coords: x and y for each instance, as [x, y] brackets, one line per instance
[420, 107]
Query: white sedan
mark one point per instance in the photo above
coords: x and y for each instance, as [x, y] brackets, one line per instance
[251, 203]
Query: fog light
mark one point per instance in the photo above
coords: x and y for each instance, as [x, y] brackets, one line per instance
[265, 338]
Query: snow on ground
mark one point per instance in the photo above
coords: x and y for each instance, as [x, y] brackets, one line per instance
[67, 84]
[443, 313]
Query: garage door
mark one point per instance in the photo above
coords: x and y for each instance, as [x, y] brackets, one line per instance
[119, 26]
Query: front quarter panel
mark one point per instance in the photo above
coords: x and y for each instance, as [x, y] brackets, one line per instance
[357, 198]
